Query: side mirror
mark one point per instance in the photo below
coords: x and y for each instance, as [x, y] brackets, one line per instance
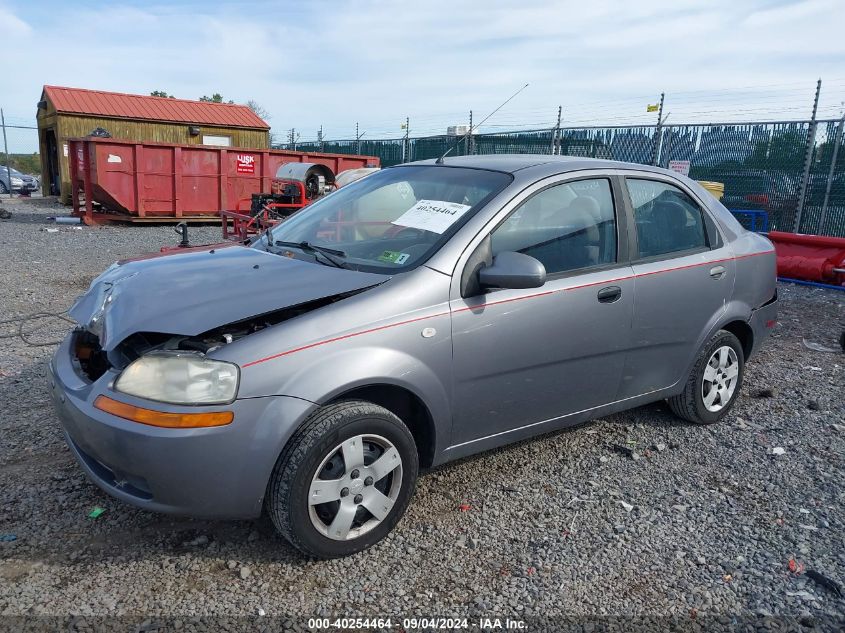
[513, 270]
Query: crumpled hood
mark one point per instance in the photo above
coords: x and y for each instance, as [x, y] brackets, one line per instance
[190, 293]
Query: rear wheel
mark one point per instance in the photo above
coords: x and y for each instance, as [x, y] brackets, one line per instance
[714, 382]
[3, 187]
[344, 480]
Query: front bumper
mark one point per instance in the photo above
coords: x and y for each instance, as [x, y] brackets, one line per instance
[218, 472]
[762, 322]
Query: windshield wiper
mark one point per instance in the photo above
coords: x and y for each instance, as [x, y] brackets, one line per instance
[315, 249]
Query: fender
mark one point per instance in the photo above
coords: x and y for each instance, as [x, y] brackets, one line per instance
[383, 366]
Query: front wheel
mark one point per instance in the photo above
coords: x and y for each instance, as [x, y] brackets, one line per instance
[714, 382]
[344, 479]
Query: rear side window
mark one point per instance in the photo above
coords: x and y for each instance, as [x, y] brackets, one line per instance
[569, 226]
[668, 220]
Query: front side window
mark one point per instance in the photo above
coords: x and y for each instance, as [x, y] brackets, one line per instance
[668, 220]
[394, 219]
[567, 227]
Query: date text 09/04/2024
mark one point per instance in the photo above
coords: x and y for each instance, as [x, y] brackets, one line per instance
[417, 623]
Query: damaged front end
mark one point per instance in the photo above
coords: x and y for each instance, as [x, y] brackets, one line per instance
[92, 361]
[197, 302]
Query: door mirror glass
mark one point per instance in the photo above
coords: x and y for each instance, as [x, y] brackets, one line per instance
[513, 270]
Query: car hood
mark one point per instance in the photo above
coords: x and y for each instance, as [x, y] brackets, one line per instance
[190, 293]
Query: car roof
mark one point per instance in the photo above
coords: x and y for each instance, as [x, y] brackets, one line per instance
[512, 163]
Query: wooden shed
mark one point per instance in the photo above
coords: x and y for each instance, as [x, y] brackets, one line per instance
[65, 113]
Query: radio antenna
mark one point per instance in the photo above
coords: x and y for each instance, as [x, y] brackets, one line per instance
[439, 161]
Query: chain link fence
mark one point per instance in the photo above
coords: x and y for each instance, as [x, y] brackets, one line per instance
[761, 164]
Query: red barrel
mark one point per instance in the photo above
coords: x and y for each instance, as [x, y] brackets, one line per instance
[810, 257]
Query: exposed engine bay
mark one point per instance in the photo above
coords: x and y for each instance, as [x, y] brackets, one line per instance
[93, 361]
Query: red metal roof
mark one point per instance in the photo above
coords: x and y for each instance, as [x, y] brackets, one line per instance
[126, 106]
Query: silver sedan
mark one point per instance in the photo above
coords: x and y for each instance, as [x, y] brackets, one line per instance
[424, 313]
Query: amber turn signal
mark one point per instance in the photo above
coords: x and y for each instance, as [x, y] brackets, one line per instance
[160, 418]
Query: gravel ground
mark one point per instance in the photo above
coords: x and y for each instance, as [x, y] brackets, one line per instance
[635, 514]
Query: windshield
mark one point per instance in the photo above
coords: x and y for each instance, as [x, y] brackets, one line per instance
[394, 219]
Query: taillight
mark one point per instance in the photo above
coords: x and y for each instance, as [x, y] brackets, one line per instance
[757, 198]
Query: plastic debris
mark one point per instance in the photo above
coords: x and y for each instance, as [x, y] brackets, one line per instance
[804, 526]
[627, 506]
[96, 512]
[778, 450]
[818, 347]
[464, 507]
[824, 581]
[8, 538]
[795, 567]
[812, 368]
[52, 230]
[261, 611]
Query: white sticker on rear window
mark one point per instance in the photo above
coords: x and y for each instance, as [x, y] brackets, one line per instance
[435, 216]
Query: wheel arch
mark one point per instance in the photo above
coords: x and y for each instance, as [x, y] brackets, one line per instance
[742, 330]
[407, 406]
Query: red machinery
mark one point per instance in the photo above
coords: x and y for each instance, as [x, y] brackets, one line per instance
[813, 258]
[296, 185]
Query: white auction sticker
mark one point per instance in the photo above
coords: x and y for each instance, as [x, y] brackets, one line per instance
[435, 216]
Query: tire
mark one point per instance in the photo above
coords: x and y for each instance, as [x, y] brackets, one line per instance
[692, 403]
[316, 452]
[3, 188]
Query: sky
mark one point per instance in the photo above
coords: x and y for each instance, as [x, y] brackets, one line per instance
[324, 63]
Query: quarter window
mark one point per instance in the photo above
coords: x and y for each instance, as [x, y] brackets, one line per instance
[667, 219]
[567, 227]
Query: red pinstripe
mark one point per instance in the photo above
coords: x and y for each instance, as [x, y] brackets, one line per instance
[493, 303]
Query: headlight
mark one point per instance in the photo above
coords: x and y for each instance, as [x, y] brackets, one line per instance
[17, 182]
[180, 378]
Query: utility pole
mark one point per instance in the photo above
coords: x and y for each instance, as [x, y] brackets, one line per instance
[6, 151]
[808, 160]
[320, 139]
[658, 132]
[406, 144]
[358, 139]
[468, 139]
[555, 147]
[830, 173]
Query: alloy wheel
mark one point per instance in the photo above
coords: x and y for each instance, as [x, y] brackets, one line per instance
[355, 487]
[720, 378]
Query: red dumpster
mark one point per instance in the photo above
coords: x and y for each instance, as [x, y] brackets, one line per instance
[158, 182]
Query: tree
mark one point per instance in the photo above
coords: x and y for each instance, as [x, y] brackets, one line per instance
[259, 111]
[215, 98]
[161, 93]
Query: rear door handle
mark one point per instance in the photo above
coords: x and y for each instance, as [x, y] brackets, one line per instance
[717, 272]
[609, 294]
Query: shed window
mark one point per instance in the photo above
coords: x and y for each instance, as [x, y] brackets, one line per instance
[222, 141]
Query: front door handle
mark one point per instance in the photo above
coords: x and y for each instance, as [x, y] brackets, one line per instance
[609, 294]
[717, 272]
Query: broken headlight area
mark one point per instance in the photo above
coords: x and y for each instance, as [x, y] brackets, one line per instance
[93, 362]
